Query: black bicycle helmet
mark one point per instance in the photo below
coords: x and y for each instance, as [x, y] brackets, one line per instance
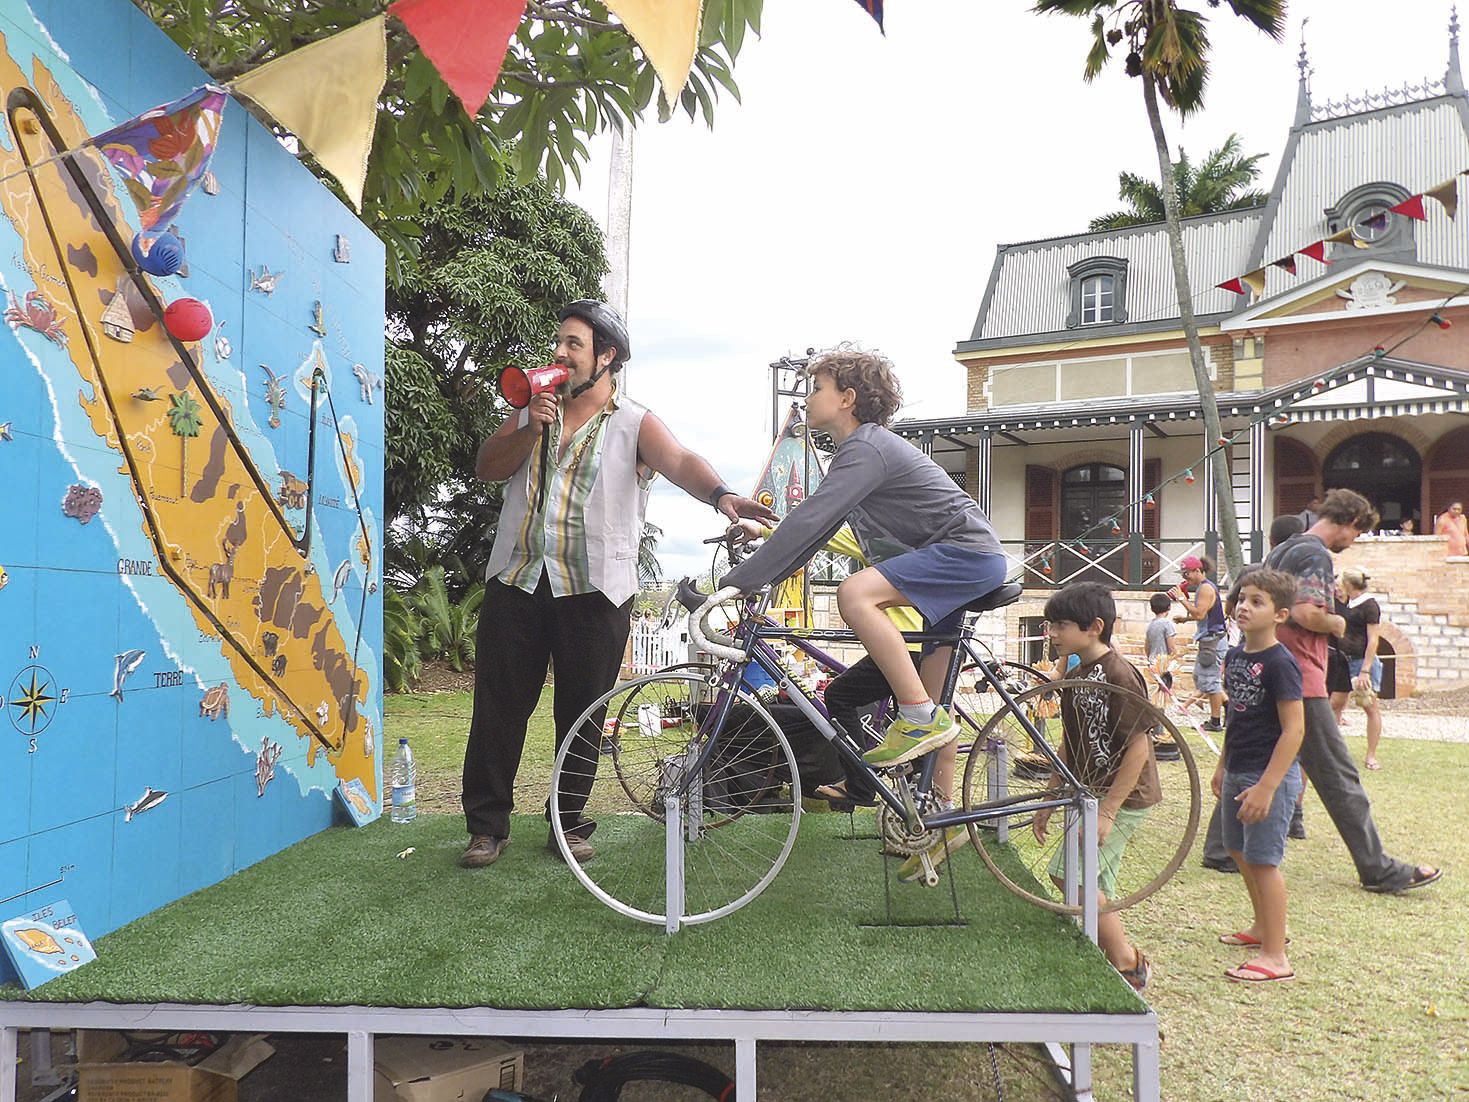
[605, 322]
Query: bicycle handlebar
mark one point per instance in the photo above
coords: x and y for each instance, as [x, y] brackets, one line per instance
[721, 645]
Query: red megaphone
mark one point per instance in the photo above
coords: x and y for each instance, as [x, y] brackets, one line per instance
[518, 387]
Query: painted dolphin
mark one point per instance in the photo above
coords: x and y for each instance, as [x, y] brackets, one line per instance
[146, 802]
[339, 579]
[127, 664]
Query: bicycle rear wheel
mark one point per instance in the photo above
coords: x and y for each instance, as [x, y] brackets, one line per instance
[738, 808]
[1013, 773]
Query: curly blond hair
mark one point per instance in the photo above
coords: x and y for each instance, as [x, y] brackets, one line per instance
[870, 374]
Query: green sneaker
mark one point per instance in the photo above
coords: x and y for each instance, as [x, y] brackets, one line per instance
[952, 841]
[905, 741]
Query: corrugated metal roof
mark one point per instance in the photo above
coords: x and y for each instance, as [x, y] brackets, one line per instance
[1032, 289]
[1415, 146]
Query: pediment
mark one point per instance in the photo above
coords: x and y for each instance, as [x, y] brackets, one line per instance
[1366, 289]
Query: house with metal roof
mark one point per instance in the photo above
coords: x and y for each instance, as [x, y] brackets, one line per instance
[1083, 435]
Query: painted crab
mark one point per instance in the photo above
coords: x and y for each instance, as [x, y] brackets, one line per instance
[37, 314]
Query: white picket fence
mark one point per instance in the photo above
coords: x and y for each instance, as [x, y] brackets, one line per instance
[650, 646]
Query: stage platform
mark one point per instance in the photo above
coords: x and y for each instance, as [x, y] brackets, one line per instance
[350, 932]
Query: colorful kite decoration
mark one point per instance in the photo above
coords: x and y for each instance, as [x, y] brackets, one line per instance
[874, 9]
[163, 153]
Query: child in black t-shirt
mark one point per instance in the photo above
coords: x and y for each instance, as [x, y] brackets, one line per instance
[1257, 779]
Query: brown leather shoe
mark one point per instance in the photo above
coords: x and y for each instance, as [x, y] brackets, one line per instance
[484, 849]
[582, 851]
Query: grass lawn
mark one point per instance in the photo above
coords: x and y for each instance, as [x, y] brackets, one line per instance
[1380, 1008]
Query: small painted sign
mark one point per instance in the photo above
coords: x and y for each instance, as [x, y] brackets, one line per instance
[46, 943]
[355, 799]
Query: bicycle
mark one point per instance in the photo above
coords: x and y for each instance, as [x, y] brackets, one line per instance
[701, 817]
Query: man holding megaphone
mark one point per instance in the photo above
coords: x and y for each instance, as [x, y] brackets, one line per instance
[577, 460]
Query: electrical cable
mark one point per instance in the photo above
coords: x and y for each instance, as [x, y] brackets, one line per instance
[603, 1080]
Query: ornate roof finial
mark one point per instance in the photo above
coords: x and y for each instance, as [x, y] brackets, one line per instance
[1303, 95]
[1303, 63]
[1453, 77]
[1454, 24]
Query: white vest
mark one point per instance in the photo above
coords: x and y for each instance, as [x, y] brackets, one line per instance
[614, 512]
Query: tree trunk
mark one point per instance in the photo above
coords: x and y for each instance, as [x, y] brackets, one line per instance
[1223, 483]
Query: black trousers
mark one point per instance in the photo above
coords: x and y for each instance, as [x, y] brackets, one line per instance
[847, 697]
[518, 634]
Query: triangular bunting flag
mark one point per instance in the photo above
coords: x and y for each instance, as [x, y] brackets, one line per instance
[1316, 251]
[668, 32]
[874, 9]
[1286, 264]
[1412, 207]
[465, 39]
[1255, 281]
[1347, 237]
[163, 153]
[326, 94]
[1446, 193]
[1232, 285]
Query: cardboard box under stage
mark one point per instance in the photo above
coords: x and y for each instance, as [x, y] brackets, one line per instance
[320, 936]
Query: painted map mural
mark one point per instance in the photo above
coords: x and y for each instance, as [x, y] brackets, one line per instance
[190, 601]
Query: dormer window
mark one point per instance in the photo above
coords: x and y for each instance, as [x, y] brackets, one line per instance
[1098, 292]
[1365, 212]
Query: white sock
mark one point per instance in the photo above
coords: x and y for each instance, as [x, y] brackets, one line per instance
[920, 713]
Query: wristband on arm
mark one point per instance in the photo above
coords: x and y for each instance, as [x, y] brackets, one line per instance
[719, 492]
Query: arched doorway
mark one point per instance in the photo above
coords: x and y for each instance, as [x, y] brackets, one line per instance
[1090, 495]
[1384, 469]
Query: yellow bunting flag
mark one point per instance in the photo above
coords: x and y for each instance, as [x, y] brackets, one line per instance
[1347, 237]
[1446, 193]
[1255, 281]
[668, 32]
[326, 95]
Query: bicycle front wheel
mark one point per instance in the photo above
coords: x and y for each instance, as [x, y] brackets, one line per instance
[648, 742]
[1010, 772]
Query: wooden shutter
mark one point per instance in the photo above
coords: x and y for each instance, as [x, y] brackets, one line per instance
[1297, 477]
[1042, 514]
[1152, 515]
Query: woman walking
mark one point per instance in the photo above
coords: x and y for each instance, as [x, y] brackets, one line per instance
[1359, 647]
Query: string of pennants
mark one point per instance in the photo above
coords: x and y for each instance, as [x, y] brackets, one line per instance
[1445, 193]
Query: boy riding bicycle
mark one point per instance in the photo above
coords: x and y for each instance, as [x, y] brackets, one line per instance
[930, 545]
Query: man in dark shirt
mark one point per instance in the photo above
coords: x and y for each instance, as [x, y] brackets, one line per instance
[1344, 516]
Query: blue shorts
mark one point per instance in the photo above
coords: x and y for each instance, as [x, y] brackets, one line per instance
[1261, 843]
[1354, 667]
[1209, 665]
[939, 580]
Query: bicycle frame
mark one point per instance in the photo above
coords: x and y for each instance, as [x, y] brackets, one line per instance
[756, 638]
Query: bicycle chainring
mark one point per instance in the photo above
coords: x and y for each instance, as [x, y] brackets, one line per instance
[897, 839]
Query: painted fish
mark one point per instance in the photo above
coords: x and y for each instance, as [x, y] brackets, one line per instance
[5, 433]
[127, 664]
[4, 578]
[146, 802]
[339, 579]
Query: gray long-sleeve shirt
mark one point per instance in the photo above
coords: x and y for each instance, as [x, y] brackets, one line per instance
[895, 497]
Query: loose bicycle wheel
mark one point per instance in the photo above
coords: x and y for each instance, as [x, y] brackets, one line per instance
[975, 699]
[737, 802]
[1013, 773]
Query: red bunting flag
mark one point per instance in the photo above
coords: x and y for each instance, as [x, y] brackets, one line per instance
[465, 39]
[1236, 285]
[1316, 252]
[1412, 207]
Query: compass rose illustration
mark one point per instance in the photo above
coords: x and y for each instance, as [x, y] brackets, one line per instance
[32, 700]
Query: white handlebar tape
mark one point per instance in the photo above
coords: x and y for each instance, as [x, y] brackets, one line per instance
[715, 642]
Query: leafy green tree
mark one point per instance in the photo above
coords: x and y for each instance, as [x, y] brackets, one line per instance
[497, 268]
[1222, 182]
[571, 71]
[1168, 49]
[402, 634]
[650, 570]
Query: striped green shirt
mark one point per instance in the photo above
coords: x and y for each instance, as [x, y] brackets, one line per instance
[553, 538]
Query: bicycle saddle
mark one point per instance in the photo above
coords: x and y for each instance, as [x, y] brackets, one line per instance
[1007, 594]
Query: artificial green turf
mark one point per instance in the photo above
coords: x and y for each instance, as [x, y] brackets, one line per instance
[340, 919]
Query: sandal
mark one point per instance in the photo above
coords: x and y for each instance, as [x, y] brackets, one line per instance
[1256, 973]
[837, 794]
[1420, 879]
[1138, 975]
[1244, 937]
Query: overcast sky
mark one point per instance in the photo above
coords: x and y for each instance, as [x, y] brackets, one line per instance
[859, 191]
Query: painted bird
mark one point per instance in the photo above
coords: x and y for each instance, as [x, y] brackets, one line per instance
[147, 394]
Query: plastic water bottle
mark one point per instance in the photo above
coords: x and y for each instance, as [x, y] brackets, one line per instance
[404, 793]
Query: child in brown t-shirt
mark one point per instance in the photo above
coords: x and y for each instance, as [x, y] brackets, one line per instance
[1111, 754]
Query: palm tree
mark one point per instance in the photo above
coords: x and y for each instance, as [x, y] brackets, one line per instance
[1221, 183]
[1168, 47]
[184, 421]
[650, 571]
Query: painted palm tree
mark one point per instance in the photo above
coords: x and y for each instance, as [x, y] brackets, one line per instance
[650, 571]
[1221, 182]
[184, 421]
[1168, 49]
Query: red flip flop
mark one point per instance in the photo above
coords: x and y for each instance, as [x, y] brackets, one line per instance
[1261, 974]
[1243, 938]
